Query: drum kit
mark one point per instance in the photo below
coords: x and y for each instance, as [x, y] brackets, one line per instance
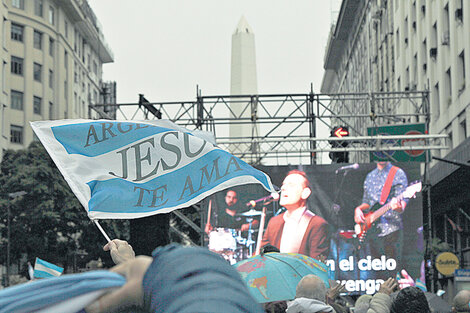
[230, 243]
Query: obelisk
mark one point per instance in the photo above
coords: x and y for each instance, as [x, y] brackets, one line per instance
[243, 82]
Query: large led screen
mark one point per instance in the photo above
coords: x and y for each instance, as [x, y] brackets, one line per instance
[360, 255]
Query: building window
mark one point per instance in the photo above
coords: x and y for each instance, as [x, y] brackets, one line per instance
[66, 29]
[463, 130]
[4, 73]
[17, 65]
[83, 50]
[66, 61]
[398, 43]
[19, 4]
[75, 41]
[38, 7]
[95, 68]
[437, 104]
[51, 111]
[51, 79]
[4, 33]
[37, 40]
[51, 47]
[16, 134]
[405, 32]
[75, 101]
[37, 74]
[17, 32]
[16, 100]
[51, 15]
[448, 81]
[37, 105]
[66, 89]
[461, 73]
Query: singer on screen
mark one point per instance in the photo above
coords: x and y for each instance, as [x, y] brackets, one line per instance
[297, 230]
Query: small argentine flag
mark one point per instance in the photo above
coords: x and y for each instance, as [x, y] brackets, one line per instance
[421, 285]
[43, 269]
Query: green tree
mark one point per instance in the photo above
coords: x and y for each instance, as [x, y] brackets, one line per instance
[48, 222]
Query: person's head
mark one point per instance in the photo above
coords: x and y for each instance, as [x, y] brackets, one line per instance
[275, 307]
[382, 164]
[410, 300]
[295, 190]
[269, 248]
[231, 198]
[311, 287]
[461, 302]
[362, 304]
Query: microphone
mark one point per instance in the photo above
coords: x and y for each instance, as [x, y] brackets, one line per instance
[273, 196]
[354, 166]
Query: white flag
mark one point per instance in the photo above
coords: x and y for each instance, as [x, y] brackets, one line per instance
[128, 169]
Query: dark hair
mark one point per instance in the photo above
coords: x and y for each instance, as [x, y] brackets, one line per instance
[269, 248]
[275, 307]
[410, 300]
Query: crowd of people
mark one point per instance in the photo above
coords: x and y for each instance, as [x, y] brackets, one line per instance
[312, 296]
[194, 279]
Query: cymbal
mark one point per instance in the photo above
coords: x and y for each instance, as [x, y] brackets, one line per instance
[250, 213]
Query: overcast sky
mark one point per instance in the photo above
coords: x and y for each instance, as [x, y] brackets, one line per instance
[165, 48]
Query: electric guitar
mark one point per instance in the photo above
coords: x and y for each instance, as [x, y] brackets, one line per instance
[372, 217]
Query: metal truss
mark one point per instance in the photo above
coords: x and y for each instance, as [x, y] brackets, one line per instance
[291, 128]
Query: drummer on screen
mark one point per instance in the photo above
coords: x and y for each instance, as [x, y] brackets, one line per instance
[228, 216]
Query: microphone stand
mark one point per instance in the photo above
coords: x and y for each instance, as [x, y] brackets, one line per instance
[249, 240]
[337, 195]
[260, 230]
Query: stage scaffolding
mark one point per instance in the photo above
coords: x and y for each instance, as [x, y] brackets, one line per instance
[293, 128]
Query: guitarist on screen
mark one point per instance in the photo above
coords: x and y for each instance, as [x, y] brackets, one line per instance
[380, 187]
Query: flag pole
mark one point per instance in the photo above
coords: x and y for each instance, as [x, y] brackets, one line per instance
[101, 229]
[209, 212]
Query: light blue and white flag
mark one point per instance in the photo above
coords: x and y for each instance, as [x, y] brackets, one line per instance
[43, 269]
[128, 169]
[67, 293]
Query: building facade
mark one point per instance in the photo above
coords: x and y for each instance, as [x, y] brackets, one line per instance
[53, 53]
[401, 46]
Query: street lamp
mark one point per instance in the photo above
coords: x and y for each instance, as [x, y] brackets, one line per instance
[13, 196]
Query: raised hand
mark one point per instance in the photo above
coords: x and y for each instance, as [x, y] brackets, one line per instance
[406, 280]
[388, 286]
[131, 294]
[333, 292]
[121, 251]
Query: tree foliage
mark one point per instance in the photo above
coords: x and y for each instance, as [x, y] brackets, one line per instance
[48, 221]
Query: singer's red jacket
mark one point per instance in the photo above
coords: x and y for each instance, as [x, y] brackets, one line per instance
[314, 243]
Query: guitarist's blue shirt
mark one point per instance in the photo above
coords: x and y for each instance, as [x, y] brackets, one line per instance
[375, 180]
